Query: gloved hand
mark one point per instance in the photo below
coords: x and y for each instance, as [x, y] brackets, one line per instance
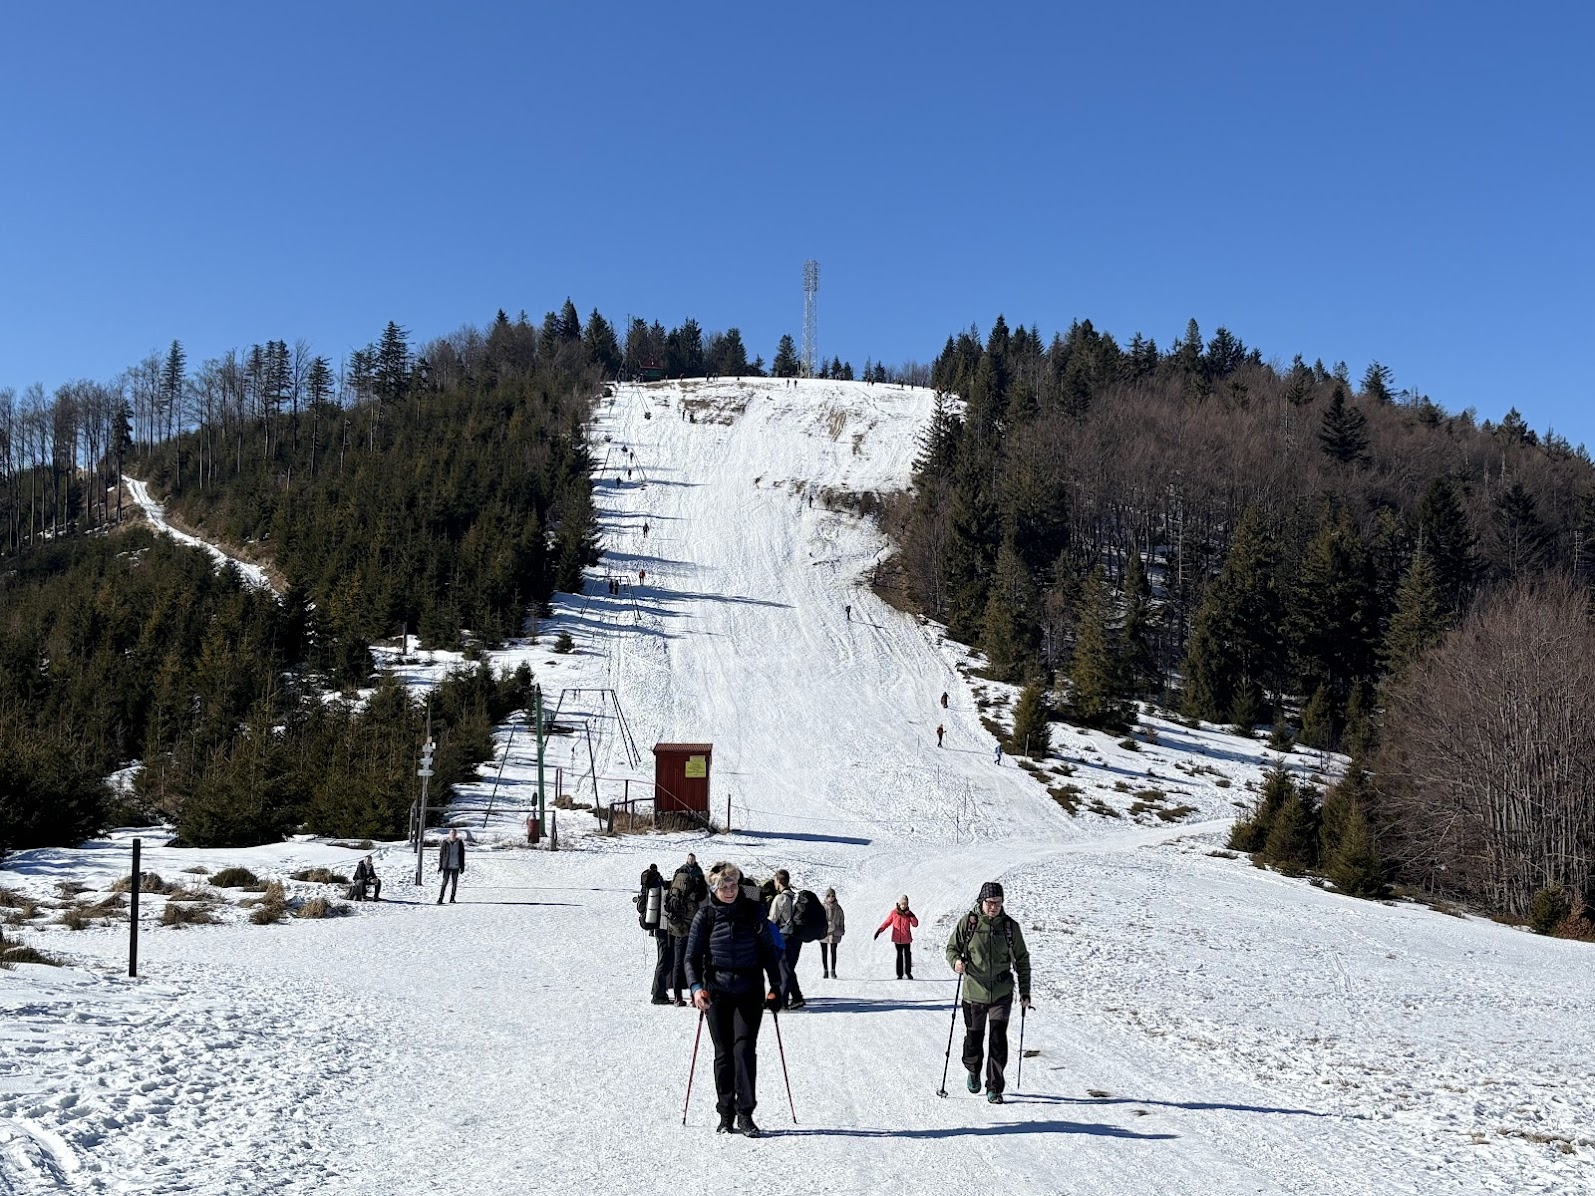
[877, 934]
[772, 1001]
[1025, 1001]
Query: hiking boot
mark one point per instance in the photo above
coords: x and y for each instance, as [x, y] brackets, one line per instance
[994, 1098]
[972, 1082]
[797, 1003]
[746, 1128]
[727, 1124]
[660, 1001]
[826, 976]
[679, 1001]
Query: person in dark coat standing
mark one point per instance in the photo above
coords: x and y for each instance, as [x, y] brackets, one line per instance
[451, 862]
[729, 951]
[651, 917]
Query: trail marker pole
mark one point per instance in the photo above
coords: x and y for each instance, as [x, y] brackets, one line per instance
[425, 773]
[132, 915]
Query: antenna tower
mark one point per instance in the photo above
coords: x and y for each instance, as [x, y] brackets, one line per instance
[811, 319]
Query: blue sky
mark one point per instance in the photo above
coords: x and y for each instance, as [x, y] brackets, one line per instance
[1398, 181]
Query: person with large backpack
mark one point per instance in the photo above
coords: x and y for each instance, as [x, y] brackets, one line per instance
[650, 902]
[686, 893]
[729, 952]
[783, 912]
[986, 948]
[901, 921]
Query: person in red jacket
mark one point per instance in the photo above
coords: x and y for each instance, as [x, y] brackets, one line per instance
[901, 920]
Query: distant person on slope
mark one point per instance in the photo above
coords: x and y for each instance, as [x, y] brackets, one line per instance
[986, 948]
[996, 753]
[835, 928]
[940, 731]
[783, 912]
[451, 862]
[901, 920]
[944, 699]
[728, 946]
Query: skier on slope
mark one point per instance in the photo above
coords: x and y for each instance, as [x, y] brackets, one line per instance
[728, 947]
[901, 921]
[986, 948]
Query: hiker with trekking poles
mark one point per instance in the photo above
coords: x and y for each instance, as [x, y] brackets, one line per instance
[986, 948]
[729, 947]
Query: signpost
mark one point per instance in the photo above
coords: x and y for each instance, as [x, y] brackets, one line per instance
[425, 773]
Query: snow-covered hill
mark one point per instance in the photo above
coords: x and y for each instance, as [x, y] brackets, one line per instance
[1200, 1025]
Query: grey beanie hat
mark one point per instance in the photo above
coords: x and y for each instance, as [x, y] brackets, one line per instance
[991, 889]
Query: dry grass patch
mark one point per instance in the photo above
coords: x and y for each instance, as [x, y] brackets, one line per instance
[13, 953]
[148, 882]
[321, 876]
[187, 913]
[1068, 795]
[270, 906]
[320, 907]
[234, 878]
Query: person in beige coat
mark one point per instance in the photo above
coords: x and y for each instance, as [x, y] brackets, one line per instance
[835, 928]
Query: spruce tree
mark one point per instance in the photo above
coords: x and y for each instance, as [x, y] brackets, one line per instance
[1419, 622]
[1376, 383]
[1447, 538]
[1008, 634]
[1139, 658]
[1318, 720]
[1032, 730]
[1521, 543]
[1334, 614]
[1094, 696]
[601, 345]
[1292, 843]
[786, 364]
[1343, 434]
[1235, 648]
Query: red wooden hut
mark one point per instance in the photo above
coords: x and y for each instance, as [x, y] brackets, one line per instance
[681, 777]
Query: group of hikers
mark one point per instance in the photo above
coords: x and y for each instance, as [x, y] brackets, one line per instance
[733, 945]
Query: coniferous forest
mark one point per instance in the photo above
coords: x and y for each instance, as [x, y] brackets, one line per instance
[1255, 545]
[1243, 542]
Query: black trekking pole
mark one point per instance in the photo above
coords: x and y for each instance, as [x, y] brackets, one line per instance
[693, 1068]
[1019, 1080]
[947, 1062]
[776, 1018]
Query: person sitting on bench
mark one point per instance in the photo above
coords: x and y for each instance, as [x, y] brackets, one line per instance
[367, 884]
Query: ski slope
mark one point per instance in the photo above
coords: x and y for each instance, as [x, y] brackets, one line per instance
[1200, 1025]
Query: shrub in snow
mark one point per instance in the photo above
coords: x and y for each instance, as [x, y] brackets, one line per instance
[234, 878]
[564, 643]
[1281, 738]
[1129, 745]
[15, 953]
[1550, 908]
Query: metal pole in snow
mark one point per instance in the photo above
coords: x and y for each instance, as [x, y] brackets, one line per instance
[132, 916]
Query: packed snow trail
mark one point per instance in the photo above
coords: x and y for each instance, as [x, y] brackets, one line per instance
[1200, 1025]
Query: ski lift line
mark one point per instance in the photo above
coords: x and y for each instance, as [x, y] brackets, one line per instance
[804, 818]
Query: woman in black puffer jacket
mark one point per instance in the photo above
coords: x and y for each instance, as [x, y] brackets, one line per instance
[728, 946]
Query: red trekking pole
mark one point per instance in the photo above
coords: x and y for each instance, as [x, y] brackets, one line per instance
[693, 1068]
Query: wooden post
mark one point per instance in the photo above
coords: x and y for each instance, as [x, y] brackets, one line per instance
[728, 811]
[132, 915]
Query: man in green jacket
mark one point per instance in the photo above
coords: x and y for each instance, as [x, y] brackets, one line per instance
[986, 948]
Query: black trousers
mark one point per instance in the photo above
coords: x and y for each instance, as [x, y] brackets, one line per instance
[976, 1018]
[678, 975]
[451, 884]
[790, 989]
[828, 956]
[905, 960]
[734, 1029]
[664, 957]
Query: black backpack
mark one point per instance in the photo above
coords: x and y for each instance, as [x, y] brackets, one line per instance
[809, 923]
